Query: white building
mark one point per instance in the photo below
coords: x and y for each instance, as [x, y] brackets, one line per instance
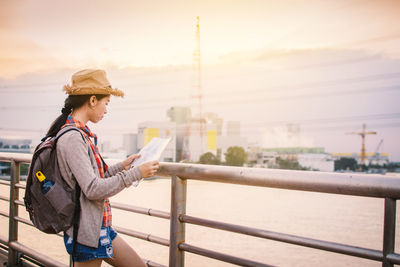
[321, 162]
[197, 139]
[256, 157]
[314, 158]
[232, 138]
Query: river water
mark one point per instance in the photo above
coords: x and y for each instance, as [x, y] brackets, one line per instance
[350, 220]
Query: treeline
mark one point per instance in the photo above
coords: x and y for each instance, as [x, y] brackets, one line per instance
[237, 156]
[234, 156]
[350, 164]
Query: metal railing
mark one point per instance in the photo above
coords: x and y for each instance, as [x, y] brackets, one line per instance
[386, 187]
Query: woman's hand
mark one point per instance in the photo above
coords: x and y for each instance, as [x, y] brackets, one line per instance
[148, 169]
[128, 161]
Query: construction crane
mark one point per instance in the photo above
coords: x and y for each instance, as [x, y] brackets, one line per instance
[363, 134]
[377, 154]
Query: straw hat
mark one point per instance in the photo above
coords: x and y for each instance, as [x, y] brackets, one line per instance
[90, 82]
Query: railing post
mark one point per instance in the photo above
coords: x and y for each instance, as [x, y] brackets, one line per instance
[13, 224]
[389, 228]
[177, 228]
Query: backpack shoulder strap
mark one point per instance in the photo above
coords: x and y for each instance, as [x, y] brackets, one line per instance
[77, 209]
[67, 129]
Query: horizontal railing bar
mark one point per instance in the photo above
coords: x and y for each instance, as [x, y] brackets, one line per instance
[220, 256]
[27, 222]
[19, 202]
[324, 182]
[143, 236]
[18, 157]
[20, 186]
[356, 184]
[146, 211]
[4, 198]
[4, 250]
[4, 214]
[30, 262]
[152, 263]
[292, 239]
[393, 258]
[45, 259]
[3, 240]
[4, 182]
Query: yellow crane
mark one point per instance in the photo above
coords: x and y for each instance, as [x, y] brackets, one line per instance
[363, 133]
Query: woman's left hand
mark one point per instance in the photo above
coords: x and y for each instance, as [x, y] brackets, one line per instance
[128, 161]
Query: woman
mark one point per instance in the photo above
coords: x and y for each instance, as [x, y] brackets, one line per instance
[80, 162]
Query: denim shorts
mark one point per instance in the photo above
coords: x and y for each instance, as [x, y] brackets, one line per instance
[85, 253]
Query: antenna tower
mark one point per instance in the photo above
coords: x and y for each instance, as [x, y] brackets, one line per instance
[196, 101]
[197, 91]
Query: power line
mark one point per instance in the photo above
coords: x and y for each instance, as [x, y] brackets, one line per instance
[292, 87]
[253, 99]
[318, 94]
[306, 66]
[381, 116]
[315, 121]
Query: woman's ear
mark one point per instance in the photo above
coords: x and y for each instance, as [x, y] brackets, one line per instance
[92, 101]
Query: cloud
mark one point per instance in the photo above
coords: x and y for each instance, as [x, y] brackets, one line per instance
[18, 56]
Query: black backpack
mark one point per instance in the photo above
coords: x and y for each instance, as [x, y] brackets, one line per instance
[53, 206]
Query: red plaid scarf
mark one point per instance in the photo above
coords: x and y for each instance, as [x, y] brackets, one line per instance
[102, 166]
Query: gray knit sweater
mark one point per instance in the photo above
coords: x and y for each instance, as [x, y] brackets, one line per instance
[78, 164]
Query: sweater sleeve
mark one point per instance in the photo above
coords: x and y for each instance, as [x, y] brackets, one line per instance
[114, 169]
[75, 154]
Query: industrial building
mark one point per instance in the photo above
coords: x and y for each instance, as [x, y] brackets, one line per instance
[150, 129]
[314, 158]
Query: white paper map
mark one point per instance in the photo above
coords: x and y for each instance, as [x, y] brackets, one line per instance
[150, 152]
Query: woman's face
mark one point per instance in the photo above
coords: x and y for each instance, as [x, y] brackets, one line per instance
[98, 108]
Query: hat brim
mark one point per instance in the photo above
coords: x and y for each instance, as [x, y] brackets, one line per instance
[73, 90]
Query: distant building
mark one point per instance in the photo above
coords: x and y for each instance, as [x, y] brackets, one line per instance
[311, 157]
[317, 161]
[233, 128]
[256, 157]
[198, 138]
[148, 130]
[13, 145]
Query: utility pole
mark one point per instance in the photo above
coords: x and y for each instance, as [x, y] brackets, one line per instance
[363, 134]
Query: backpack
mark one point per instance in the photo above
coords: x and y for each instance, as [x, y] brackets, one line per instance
[53, 206]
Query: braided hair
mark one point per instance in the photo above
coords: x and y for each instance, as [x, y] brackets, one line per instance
[71, 102]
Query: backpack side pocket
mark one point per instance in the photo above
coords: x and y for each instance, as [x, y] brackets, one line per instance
[61, 200]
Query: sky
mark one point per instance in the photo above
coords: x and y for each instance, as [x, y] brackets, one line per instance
[327, 66]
